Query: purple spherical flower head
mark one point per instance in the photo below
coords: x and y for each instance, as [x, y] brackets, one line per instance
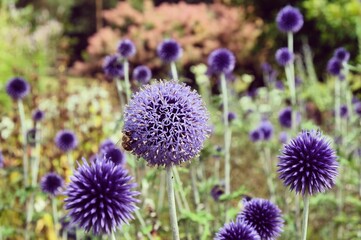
[115, 155]
[284, 56]
[17, 88]
[255, 135]
[341, 54]
[266, 128]
[66, 140]
[343, 111]
[1, 160]
[357, 107]
[217, 191]
[231, 116]
[285, 117]
[289, 19]
[238, 230]
[166, 123]
[105, 145]
[264, 216]
[38, 115]
[334, 66]
[113, 67]
[126, 48]
[169, 50]
[100, 197]
[142, 74]
[51, 183]
[308, 163]
[283, 137]
[221, 61]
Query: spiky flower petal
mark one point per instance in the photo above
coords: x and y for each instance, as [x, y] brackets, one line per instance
[17, 88]
[169, 50]
[100, 197]
[308, 163]
[166, 123]
[237, 231]
[66, 140]
[289, 19]
[126, 48]
[142, 74]
[51, 183]
[113, 67]
[221, 61]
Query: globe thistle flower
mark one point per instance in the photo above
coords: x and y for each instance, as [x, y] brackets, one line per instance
[221, 61]
[51, 183]
[113, 67]
[256, 135]
[238, 230]
[231, 116]
[341, 54]
[264, 216]
[115, 155]
[343, 111]
[1, 160]
[357, 107]
[334, 66]
[38, 115]
[266, 128]
[285, 117]
[66, 140]
[142, 74]
[284, 56]
[308, 164]
[105, 145]
[100, 197]
[166, 124]
[217, 191]
[169, 50]
[283, 137]
[126, 48]
[17, 88]
[289, 19]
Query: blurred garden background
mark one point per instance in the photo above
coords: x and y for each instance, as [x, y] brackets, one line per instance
[59, 47]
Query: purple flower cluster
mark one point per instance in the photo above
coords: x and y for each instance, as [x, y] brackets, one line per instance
[221, 61]
[264, 216]
[289, 19]
[263, 132]
[17, 88]
[51, 183]
[238, 230]
[142, 74]
[126, 48]
[284, 56]
[38, 115]
[169, 50]
[100, 197]
[166, 123]
[66, 140]
[335, 64]
[308, 164]
[113, 67]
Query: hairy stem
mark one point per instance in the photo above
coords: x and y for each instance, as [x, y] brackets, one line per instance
[126, 79]
[172, 207]
[173, 68]
[306, 201]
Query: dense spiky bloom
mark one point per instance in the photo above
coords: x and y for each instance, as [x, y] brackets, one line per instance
[142, 74]
[166, 123]
[126, 48]
[283, 137]
[51, 183]
[100, 197]
[284, 56]
[217, 191]
[343, 111]
[341, 54]
[264, 216]
[255, 135]
[113, 67]
[169, 50]
[334, 66]
[105, 145]
[17, 88]
[115, 155]
[289, 19]
[221, 61]
[285, 117]
[266, 128]
[38, 115]
[357, 107]
[238, 230]
[66, 140]
[308, 163]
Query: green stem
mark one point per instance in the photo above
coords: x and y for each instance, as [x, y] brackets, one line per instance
[35, 166]
[23, 132]
[354, 68]
[71, 161]
[172, 207]
[180, 188]
[118, 84]
[194, 185]
[112, 236]
[142, 223]
[267, 164]
[227, 136]
[306, 202]
[337, 107]
[173, 68]
[126, 79]
[55, 214]
[161, 192]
